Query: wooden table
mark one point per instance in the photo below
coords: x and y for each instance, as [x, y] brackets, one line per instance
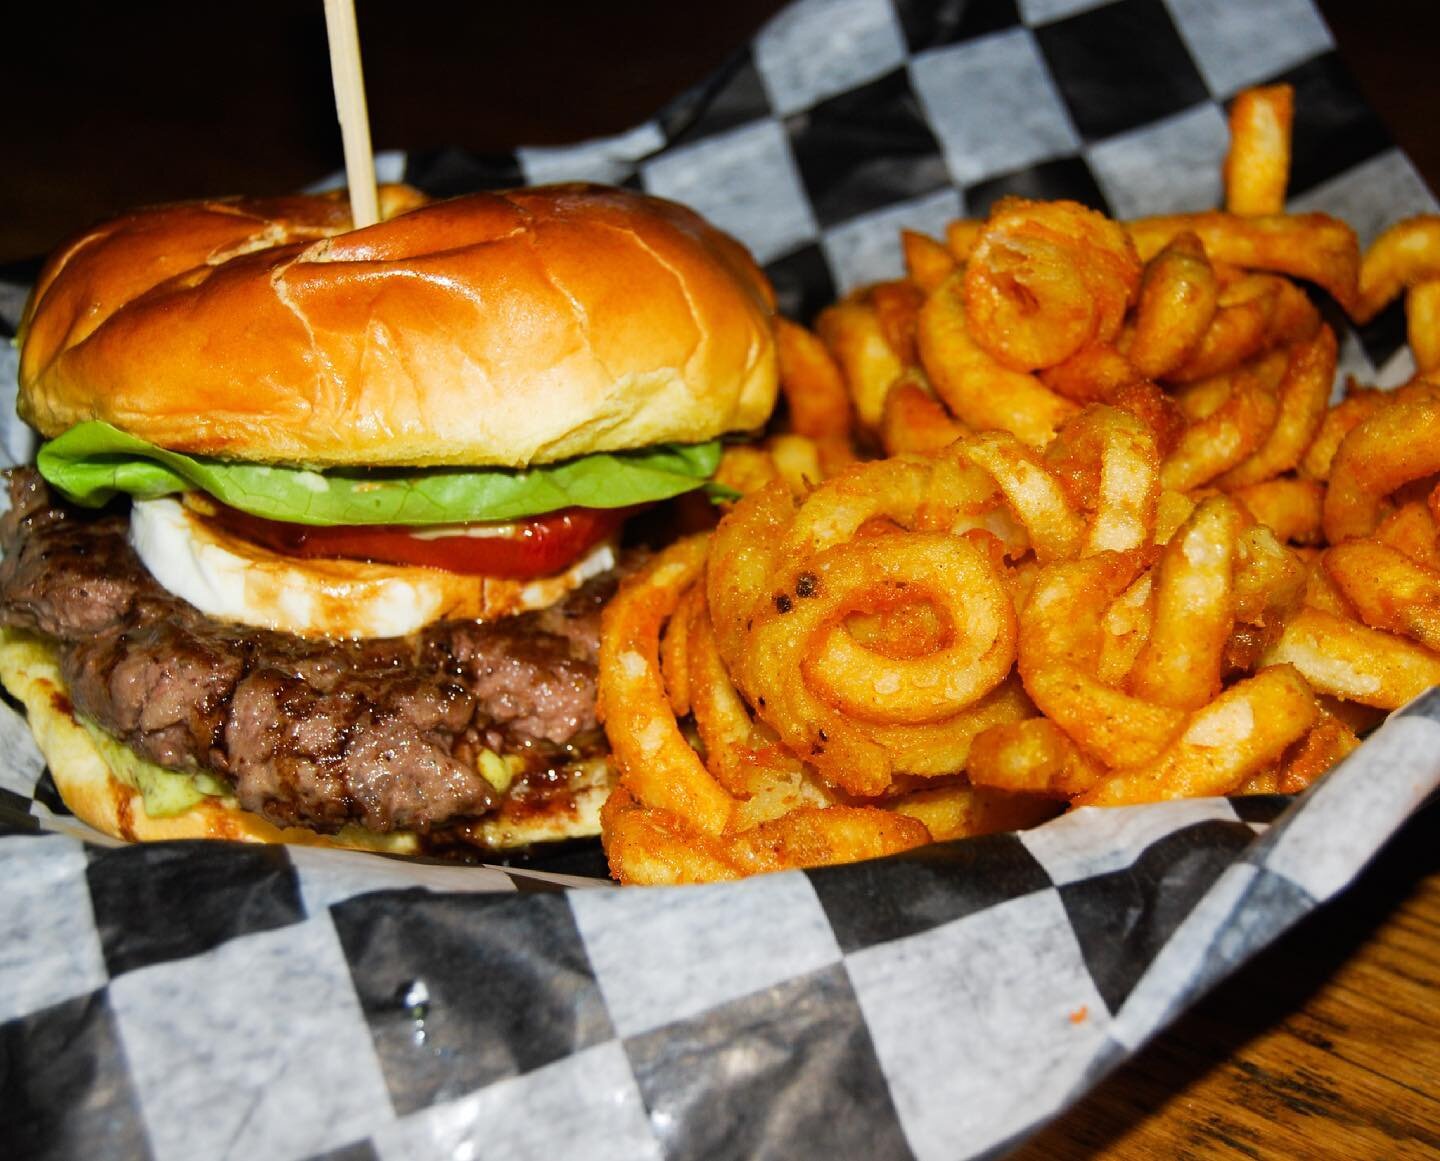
[1324, 1046]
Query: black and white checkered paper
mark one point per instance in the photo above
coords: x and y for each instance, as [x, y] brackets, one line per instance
[201, 1000]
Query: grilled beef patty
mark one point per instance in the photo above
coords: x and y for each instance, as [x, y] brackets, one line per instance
[311, 732]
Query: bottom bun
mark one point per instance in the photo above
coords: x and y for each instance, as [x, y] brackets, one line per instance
[100, 796]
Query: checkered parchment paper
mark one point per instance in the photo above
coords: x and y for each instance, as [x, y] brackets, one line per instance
[196, 1000]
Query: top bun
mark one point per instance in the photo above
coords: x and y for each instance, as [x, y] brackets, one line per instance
[495, 329]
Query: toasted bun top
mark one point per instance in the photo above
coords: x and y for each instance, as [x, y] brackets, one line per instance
[499, 328]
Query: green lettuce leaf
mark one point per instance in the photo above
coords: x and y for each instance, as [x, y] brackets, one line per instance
[92, 462]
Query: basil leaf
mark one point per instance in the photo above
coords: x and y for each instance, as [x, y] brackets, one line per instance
[92, 462]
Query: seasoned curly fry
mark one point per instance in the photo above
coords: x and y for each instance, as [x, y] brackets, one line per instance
[914, 420]
[1231, 417]
[1348, 660]
[1179, 296]
[1094, 374]
[1257, 168]
[1046, 279]
[1059, 648]
[1289, 505]
[1032, 757]
[1241, 731]
[1314, 247]
[856, 337]
[655, 761]
[980, 391]
[1398, 444]
[1182, 662]
[813, 387]
[1406, 254]
[1422, 321]
[927, 262]
[1301, 398]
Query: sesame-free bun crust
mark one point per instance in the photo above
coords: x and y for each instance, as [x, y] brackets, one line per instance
[30, 670]
[494, 329]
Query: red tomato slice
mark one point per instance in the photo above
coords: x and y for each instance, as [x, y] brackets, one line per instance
[519, 550]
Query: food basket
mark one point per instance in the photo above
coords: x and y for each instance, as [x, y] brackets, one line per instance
[195, 1000]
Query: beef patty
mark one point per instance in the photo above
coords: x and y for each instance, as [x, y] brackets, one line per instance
[310, 732]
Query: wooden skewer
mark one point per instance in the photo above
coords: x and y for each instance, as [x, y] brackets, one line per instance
[350, 104]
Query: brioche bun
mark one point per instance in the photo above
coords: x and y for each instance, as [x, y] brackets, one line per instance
[496, 329]
[97, 794]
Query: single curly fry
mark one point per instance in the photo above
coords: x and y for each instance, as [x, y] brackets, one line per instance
[957, 810]
[822, 836]
[979, 391]
[1256, 313]
[1179, 295]
[1040, 504]
[1411, 529]
[1094, 374]
[1155, 409]
[1237, 332]
[1359, 404]
[812, 383]
[655, 761]
[743, 551]
[1031, 757]
[973, 658]
[927, 262]
[961, 236]
[1422, 323]
[1399, 443]
[742, 756]
[1388, 589]
[1059, 649]
[1290, 505]
[1125, 628]
[893, 491]
[1219, 440]
[675, 653]
[897, 306]
[647, 846]
[941, 748]
[1182, 662]
[1302, 396]
[1257, 167]
[1406, 254]
[914, 421]
[819, 689]
[1110, 464]
[1349, 660]
[1239, 733]
[1313, 247]
[1046, 279]
[853, 333]
[1270, 579]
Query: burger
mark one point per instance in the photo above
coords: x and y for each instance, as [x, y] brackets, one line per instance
[316, 545]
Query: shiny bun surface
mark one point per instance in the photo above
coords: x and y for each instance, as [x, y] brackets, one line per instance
[494, 329]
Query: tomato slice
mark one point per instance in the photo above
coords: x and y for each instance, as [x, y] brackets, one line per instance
[519, 550]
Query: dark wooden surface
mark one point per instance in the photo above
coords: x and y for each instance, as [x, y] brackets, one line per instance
[1323, 1047]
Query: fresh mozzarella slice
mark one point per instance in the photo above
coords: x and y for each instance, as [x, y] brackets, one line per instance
[233, 580]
